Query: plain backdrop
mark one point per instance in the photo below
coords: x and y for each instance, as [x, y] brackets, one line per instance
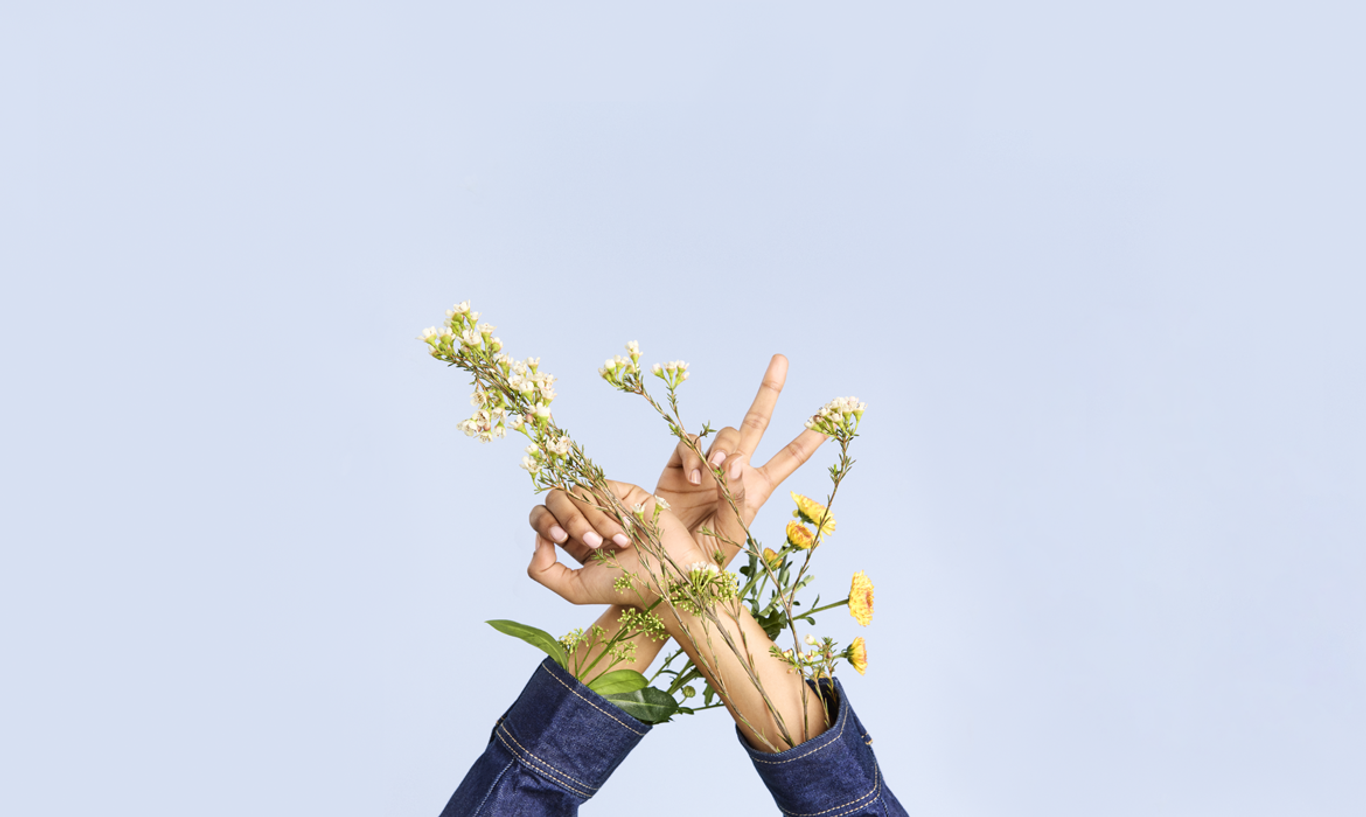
[1097, 269]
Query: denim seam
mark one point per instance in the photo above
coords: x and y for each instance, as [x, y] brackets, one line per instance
[826, 745]
[856, 803]
[494, 786]
[553, 773]
[590, 703]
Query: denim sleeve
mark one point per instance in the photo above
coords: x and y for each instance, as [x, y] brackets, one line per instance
[832, 775]
[549, 753]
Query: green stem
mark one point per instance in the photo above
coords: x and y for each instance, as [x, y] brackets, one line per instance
[826, 607]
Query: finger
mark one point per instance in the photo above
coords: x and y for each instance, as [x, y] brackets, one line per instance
[543, 521]
[686, 461]
[547, 526]
[723, 448]
[761, 410]
[571, 514]
[631, 495]
[791, 457]
[547, 571]
[591, 525]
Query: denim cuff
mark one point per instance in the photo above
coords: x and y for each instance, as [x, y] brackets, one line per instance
[566, 733]
[833, 774]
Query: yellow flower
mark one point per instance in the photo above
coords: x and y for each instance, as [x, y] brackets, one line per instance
[771, 557]
[799, 535]
[861, 598]
[858, 654]
[811, 511]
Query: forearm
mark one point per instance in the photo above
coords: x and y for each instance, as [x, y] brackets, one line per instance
[775, 714]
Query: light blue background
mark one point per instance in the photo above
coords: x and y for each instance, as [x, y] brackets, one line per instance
[1096, 268]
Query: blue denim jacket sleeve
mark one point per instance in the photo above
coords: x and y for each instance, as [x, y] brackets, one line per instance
[560, 741]
[549, 753]
[832, 775]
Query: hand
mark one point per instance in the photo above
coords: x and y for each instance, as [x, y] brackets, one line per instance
[580, 529]
[594, 582]
[702, 503]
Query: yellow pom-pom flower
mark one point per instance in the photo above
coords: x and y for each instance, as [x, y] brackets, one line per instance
[810, 511]
[858, 655]
[799, 535]
[861, 598]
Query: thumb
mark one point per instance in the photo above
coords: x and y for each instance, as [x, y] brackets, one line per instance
[546, 570]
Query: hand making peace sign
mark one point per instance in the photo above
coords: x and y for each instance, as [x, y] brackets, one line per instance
[689, 486]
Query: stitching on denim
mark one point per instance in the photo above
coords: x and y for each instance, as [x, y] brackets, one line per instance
[852, 805]
[825, 745]
[554, 772]
[590, 703]
[494, 786]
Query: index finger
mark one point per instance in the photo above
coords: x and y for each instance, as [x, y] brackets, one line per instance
[792, 456]
[756, 419]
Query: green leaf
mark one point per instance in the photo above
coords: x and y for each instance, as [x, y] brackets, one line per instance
[622, 680]
[539, 639]
[648, 705]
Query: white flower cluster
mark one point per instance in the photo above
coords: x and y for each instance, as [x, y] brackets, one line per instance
[536, 455]
[490, 423]
[623, 371]
[673, 373]
[462, 334]
[839, 418]
[701, 567]
[471, 345]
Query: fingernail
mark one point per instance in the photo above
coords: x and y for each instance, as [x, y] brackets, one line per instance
[718, 458]
[592, 540]
[621, 540]
[695, 477]
[557, 533]
[735, 470]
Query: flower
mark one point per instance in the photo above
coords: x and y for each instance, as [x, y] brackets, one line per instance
[810, 640]
[799, 535]
[531, 465]
[661, 502]
[861, 598]
[811, 511]
[771, 557]
[838, 418]
[857, 655]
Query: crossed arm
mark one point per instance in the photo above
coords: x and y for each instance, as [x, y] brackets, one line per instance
[559, 742]
[696, 502]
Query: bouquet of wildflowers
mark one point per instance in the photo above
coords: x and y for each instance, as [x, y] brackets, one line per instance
[512, 395]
